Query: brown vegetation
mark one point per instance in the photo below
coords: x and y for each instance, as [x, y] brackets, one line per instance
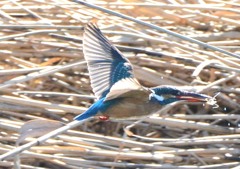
[44, 76]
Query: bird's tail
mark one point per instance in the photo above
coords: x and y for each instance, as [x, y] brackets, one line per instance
[91, 111]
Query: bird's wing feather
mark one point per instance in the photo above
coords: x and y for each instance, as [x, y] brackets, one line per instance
[106, 64]
[128, 87]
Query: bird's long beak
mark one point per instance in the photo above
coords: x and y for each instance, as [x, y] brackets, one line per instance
[194, 97]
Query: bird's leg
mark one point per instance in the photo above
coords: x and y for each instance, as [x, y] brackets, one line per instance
[104, 118]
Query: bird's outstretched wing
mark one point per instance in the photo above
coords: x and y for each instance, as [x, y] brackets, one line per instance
[106, 64]
[128, 87]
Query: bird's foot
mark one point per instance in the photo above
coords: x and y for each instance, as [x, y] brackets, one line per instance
[104, 118]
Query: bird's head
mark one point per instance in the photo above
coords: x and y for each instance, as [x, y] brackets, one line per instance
[166, 94]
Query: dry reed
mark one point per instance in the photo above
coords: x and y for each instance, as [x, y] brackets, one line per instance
[44, 76]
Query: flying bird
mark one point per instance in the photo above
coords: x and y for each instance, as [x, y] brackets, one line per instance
[119, 93]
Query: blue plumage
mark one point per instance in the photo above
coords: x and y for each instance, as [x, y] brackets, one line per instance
[119, 94]
[91, 111]
[106, 64]
[163, 90]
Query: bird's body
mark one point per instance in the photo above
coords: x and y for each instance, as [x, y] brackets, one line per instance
[126, 107]
[125, 103]
[119, 94]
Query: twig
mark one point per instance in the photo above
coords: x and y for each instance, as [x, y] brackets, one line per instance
[156, 27]
[38, 74]
[41, 139]
[36, 103]
[191, 124]
[39, 26]
[27, 34]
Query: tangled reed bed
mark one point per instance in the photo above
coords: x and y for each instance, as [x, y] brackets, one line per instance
[44, 77]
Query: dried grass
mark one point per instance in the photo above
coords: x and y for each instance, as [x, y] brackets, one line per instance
[44, 76]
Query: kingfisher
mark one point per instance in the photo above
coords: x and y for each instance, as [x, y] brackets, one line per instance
[119, 94]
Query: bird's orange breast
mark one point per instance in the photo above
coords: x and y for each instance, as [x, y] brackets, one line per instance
[130, 107]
